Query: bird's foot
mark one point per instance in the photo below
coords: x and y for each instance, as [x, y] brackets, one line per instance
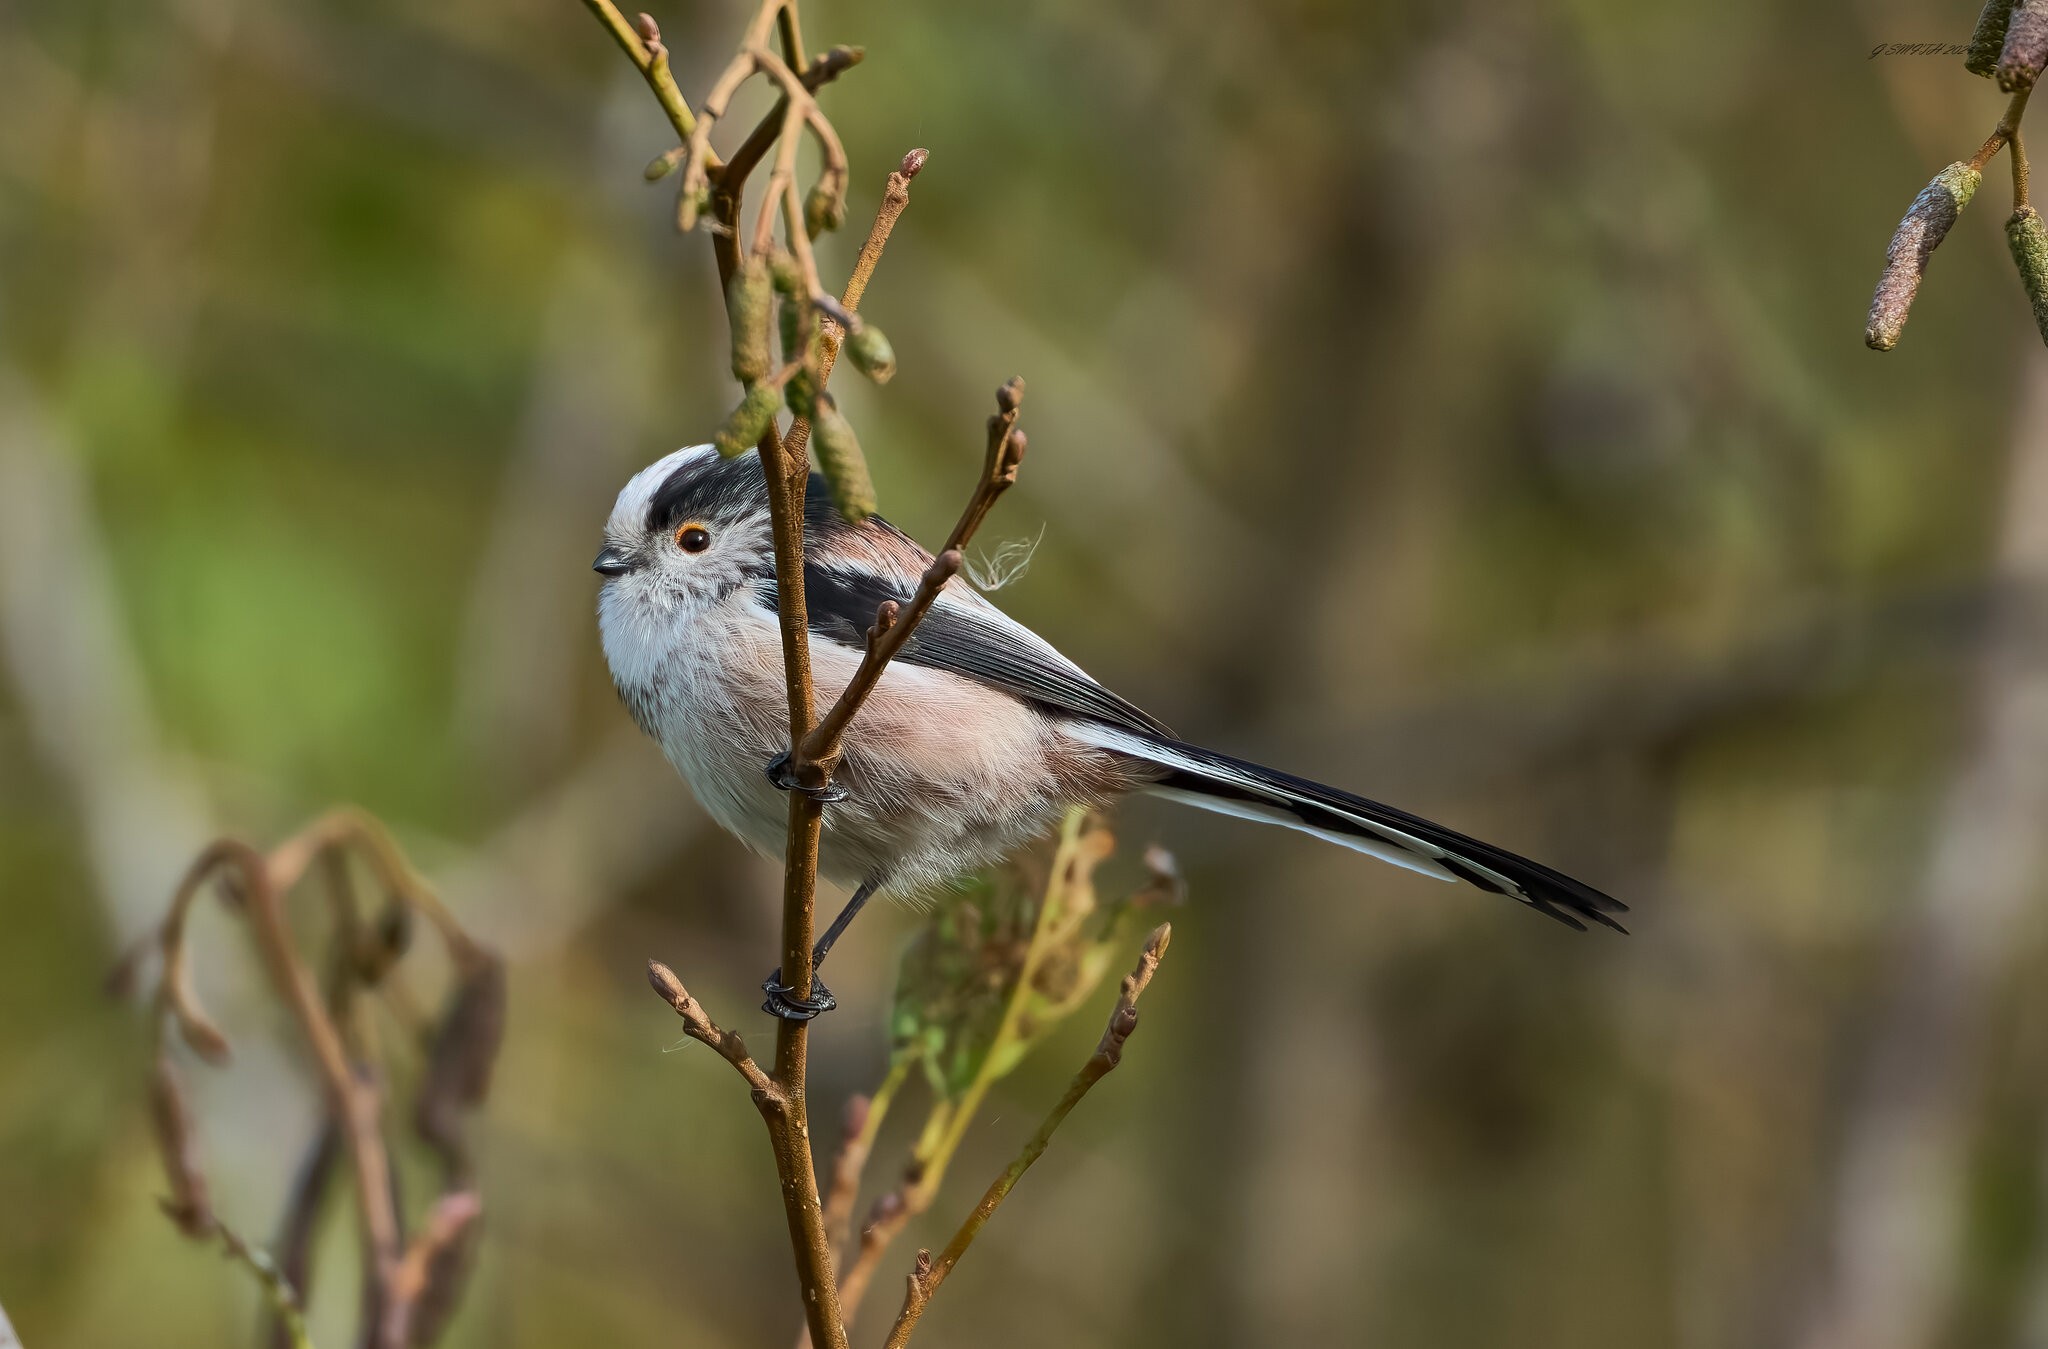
[779, 773]
[781, 1004]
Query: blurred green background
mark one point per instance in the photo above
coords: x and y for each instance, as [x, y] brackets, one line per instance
[1463, 404]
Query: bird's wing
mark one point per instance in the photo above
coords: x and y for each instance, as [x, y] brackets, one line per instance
[963, 634]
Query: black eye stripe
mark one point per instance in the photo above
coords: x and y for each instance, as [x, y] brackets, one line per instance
[706, 489]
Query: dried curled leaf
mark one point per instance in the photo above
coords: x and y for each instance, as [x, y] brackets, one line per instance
[1987, 40]
[2028, 237]
[1926, 224]
[749, 421]
[747, 301]
[869, 350]
[465, 1048]
[841, 461]
[170, 1115]
[2026, 46]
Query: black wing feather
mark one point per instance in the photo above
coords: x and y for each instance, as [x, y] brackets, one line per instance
[957, 637]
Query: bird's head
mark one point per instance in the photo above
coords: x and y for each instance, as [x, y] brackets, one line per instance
[688, 529]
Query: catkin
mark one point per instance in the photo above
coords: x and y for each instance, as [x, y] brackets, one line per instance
[840, 460]
[871, 354]
[2026, 46]
[1987, 41]
[2029, 240]
[1926, 223]
[749, 421]
[747, 302]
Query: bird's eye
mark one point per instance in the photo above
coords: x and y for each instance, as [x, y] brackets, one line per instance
[693, 538]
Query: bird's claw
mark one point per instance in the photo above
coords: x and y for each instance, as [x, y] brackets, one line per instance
[779, 773]
[781, 1004]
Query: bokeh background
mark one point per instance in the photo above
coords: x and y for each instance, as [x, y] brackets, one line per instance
[1462, 403]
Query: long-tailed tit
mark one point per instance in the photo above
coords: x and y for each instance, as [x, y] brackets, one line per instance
[977, 737]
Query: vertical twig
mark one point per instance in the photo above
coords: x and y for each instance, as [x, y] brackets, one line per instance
[895, 196]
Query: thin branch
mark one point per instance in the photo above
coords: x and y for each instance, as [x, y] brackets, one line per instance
[699, 1026]
[303, 1206]
[895, 196]
[355, 1103]
[728, 184]
[859, 1126]
[2019, 173]
[650, 58]
[789, 29]
[286, 1302]
[2008, 127]
[412, 1282]
[754, 57]
[818, 753]
[925, 1278]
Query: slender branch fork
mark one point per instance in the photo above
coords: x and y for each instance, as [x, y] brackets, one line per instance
[405, 1279]
[927, 1274]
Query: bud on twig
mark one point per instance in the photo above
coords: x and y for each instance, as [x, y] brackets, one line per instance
[749, 421]
[840, 459]
[1926, 224]
[2029, 240]
[2026, 46]
[747, 301]
[1988, 40]
[871, 353]
[663, 164]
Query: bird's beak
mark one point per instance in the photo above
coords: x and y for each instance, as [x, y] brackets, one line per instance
[612, 560]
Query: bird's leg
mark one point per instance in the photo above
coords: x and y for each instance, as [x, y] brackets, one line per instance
[779, 773]
[780, 1003]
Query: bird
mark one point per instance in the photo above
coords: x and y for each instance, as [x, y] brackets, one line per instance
[978, 736]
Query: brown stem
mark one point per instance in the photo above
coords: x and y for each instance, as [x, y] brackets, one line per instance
[728, 184]
[895, 196]
[818, 753]
[700, 1027]
[444, 1228]
[789, 29]
[699, 163]
[353, 1102]
[2019, 173]
[2007, 128]
[927, 1275]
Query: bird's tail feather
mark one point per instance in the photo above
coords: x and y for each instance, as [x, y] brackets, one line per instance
[1202, 777]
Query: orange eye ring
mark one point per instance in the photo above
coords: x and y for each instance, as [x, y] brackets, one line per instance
[693, 538]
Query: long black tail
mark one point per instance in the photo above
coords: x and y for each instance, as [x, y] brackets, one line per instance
[1202, 777]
